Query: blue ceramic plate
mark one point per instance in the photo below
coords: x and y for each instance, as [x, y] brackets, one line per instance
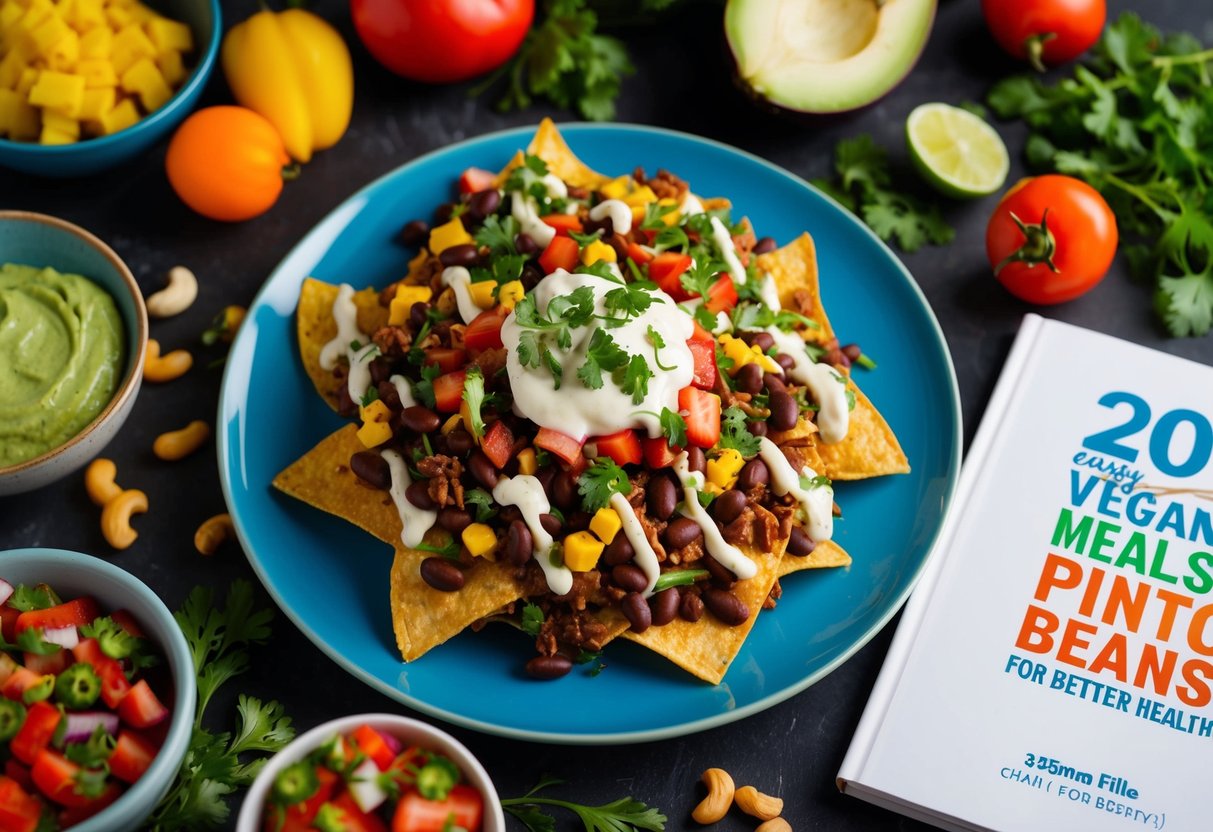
[332, 580]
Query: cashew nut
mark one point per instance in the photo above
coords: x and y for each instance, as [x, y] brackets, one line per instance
[160, 368]
[178, 444]
[720, 796]
[177, 296]
[116, 517]
[212, 533]
[759, 805]
[774, 825]
[99, 481]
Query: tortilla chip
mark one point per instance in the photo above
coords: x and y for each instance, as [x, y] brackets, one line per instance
[551, 147]
[824, 555]
[716, 203]
[315, 327]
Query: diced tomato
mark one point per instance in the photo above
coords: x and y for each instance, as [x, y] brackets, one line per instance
[141, 708]
[77, 612]
[701, 334]
[126, 621]
[561, 444]
[8, 622]
[722, 295]
[69, 817]
[52, 663]
[374, 745]
[701, 410]
[563, 223]
[561, 253]
[463, 807]
[638, 254]
[357, 820]
[622, 447]
[474, 180]
[36, 732]
[299, 817]
[114, 684]
[497, 443]
[20, 773]
[704, 354]
[448, 391]
[484, 332]
[55, 776]
[19, 810]
[666, 271]
[446, 359]
[131, 757]
[658, 453]
[18, 682]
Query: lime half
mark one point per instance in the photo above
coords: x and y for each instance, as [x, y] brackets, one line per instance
[956, 151]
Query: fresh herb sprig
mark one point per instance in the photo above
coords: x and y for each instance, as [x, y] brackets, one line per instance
[624, 815]
[598, 482]
[733, 433]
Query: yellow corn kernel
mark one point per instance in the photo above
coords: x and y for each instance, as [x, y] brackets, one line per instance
[606, 524]
[59, 123]
[373, 434]
[145, 79]
[617, 188]
[97, 73]
[121, 117]
[172, 67]
[448, 234]
[481, 293]
[57, 91]
[11, 68]
[598, 250]
[169, 35]
[581, 551]
[89, 16]
[96, 43]
[96, 102]
[406, 296]
[479, 540]
[47, 33]
[510, 293]
[723, 470]
[376, 411]
[129, 45]
[527, 464]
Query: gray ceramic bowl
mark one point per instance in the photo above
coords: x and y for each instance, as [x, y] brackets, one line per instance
[39, 240]
[71, 574]
[408, 731]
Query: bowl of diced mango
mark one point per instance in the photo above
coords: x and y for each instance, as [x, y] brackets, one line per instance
[88, 84]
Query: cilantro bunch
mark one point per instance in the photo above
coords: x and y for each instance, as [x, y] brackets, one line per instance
[1136, 123]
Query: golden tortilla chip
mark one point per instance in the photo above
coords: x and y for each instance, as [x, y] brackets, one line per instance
[824, 555]
[551, 147]
[315, 327]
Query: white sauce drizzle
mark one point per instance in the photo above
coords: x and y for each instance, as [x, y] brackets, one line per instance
[459, 279]
[526, 492]
[728, 555]
[690, 205]
[644, 555]
[403, 390]
[524, 208]
[817, 502]
[345, 315]
[828, 387]
[617, 210]
[724, 241]
[768, 292]
[415, 521]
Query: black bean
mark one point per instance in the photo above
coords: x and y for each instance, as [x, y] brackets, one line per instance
[483, 203]
[774, 382]
[838, 358]
[441, 574]
[548, 667]
[852, 351]
[618, 551]
[461, 255]
[681, 532]
[372, 469]
[531, 275]
[509, 514]
[419, 495]
[419, 419]
[728, 506]
[459, 441]
[346, 406]
[726, 606]
[551, 524]
[636, 611]
[722, 576]
[381, 369]
[696, 461]
[620, 245]
[764, 341]
[749, 379]
[483, 470]
[454, 519]
[630, 577]
[564, 490]
[786, 361]
[690, 607]
[576, 521]
[442, 214]
[415, 233]
[525, 244]
[518, 544]
[418, 313]
[662, 497]
[764, 245]
[799, 542]
[663, 606]
[753, 473]
[388, 394]
[784, 411]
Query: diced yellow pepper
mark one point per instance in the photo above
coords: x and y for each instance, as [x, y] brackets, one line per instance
[170, 36]
[765, 361]
[129, 45]
[11, 67]
[65, 9]
[118, 16]
[121, 117]
[510, 293]
[64, 54]
[10, 13]
[451, 423]
[141, 14]
[57, 91]
[448, 234]
[374, 433]
[641, 195]
[406, 296]
[47, 33]
[29, 77]
[723, 470]
[737, 350]
[89, 15]
[598, 250]
[97, 73]
[479, 540]
[617, 188]
[38, 11]
[97, 102]
[481, 293]
[581, 551]
[172, 67]
[527, 464]
[606, 524]
[145, 79]
[713, 489]
[96, 43]
[26, 122]
[51, 136]
[376, 411]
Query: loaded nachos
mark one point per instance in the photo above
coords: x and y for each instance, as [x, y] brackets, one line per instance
[593, 407]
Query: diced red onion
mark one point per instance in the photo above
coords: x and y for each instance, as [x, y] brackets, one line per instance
[82, 725]
[67, 637]
[6, 591]
[393, 743]
[364, 786]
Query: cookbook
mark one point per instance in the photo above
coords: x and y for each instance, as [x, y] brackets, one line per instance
[1054, 667]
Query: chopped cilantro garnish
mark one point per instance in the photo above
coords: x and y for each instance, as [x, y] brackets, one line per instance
[26, 598]
[532, 619]
[448, 550]
[674, 428]
[678, 577]
[599, 268]
[498, 234]
[598, 482]
[602, 354]
[424, 389]
[631, 300]
[658, 346]
[93, 752]
[371, 394]
[505, 268]
[486, 509]
[636, 379]
[654, 216]
[670, 238]
[31, 641]
[733, 433]
[584, 240]
[473, 397]
[819, 481]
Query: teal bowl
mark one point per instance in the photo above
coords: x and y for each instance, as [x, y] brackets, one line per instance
[71, 574]
[94, 155]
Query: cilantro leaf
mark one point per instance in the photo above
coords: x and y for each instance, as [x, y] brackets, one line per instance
[473, 397]
[674, 428]
[631, 300]
[498, 234]
[733, 433]
[449, 550]
[26, 598]
[598, 482]
[486, 509]
[636, 379]
[31, 641]
[93, 752]
[624, 815]
[601, 354]
[424, 389]
[532, 619]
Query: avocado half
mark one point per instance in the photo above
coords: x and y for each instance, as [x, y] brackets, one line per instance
[825, 56]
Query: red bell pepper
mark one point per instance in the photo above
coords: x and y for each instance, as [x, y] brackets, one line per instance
[56, 777]
[77, 612]
[561, 253]
[141, 708]
[722, 295]
[448, 391]
[658, 453]
[563, 445]
[36, 732]
[497, 443]
[666, 271]
[484, 332]
[131, 757]
[373, 745]
[622, 447]
[474, 180]
[446, 359]
[563, 223]
[19, 810]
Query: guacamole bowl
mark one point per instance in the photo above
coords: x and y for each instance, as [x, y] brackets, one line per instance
[68, 375]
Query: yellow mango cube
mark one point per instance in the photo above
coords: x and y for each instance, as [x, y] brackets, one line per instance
[448, 234]
[88, 15]
[47, 34]
[96, 43]
[65, 9]
[29, 76]
[57, 91]
[129, 45]
[60, 123]
[527, 463]
[97, 73]
[38, 11]
[479, 540]
[403, 302]
[26, 123]
[10, 13]
[642, 195]
[510, 293]
[581, 551]
[52, 136]
[481, 293]
[606, 524]
[617, 188]
[376, 411]
[144, 79]
[172, 67]
[8, 110]
[118, 16]
[123, 115]
[64, 54]
[11, 67]
[97, 102]
[371, 434]
[141, 14]
[169, 35]
[598, 250]
[723, 470]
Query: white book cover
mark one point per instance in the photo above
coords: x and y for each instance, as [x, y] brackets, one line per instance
[1053, 669]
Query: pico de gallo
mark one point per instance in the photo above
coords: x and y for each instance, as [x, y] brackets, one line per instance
[368, 781]
[79, 720]
[599, 390]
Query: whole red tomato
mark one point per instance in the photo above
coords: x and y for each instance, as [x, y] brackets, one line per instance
[1051, 239]
[1045, 31]
[439, 41]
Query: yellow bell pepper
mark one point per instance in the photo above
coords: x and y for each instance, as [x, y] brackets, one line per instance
[293, 68]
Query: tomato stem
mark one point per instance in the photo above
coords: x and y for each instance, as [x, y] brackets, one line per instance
[1034, 45]
[1039, 245]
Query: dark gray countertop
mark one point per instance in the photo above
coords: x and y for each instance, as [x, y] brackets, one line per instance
[793, 749]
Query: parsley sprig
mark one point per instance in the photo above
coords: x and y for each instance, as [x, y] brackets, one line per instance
[733, 433]
[598, 482]
[624, 815]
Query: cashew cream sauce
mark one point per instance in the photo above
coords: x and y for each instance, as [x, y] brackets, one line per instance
[403, 390]
[644, 556]
[619, 212]
[724, 241]
[526, 492]
[728, 555]
[459, 279]
[817, 502]
[524, 208]
[416, 521]
[829, 389]
[345, 315]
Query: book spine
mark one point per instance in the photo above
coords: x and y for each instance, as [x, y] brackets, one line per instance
[1019, 361]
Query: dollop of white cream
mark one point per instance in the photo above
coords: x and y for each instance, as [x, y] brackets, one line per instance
[345, 315]
[526, 492]
[725, 553]
[817, 502]
[404, 390]
[768, 292]
[619, 212]
[415, 521]
[827, 386]
[644, 556]
[459, 279]
[690, 205]
[724, 241]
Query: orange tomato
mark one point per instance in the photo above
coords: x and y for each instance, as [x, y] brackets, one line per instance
[226, 163]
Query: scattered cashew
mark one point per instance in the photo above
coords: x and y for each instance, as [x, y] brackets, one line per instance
[720, 796]
[160, 368]
[116, 517]
[212, 533]
[177, 296]
[759, 805]
[178, 444]
[99, 481]
[774, 825]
